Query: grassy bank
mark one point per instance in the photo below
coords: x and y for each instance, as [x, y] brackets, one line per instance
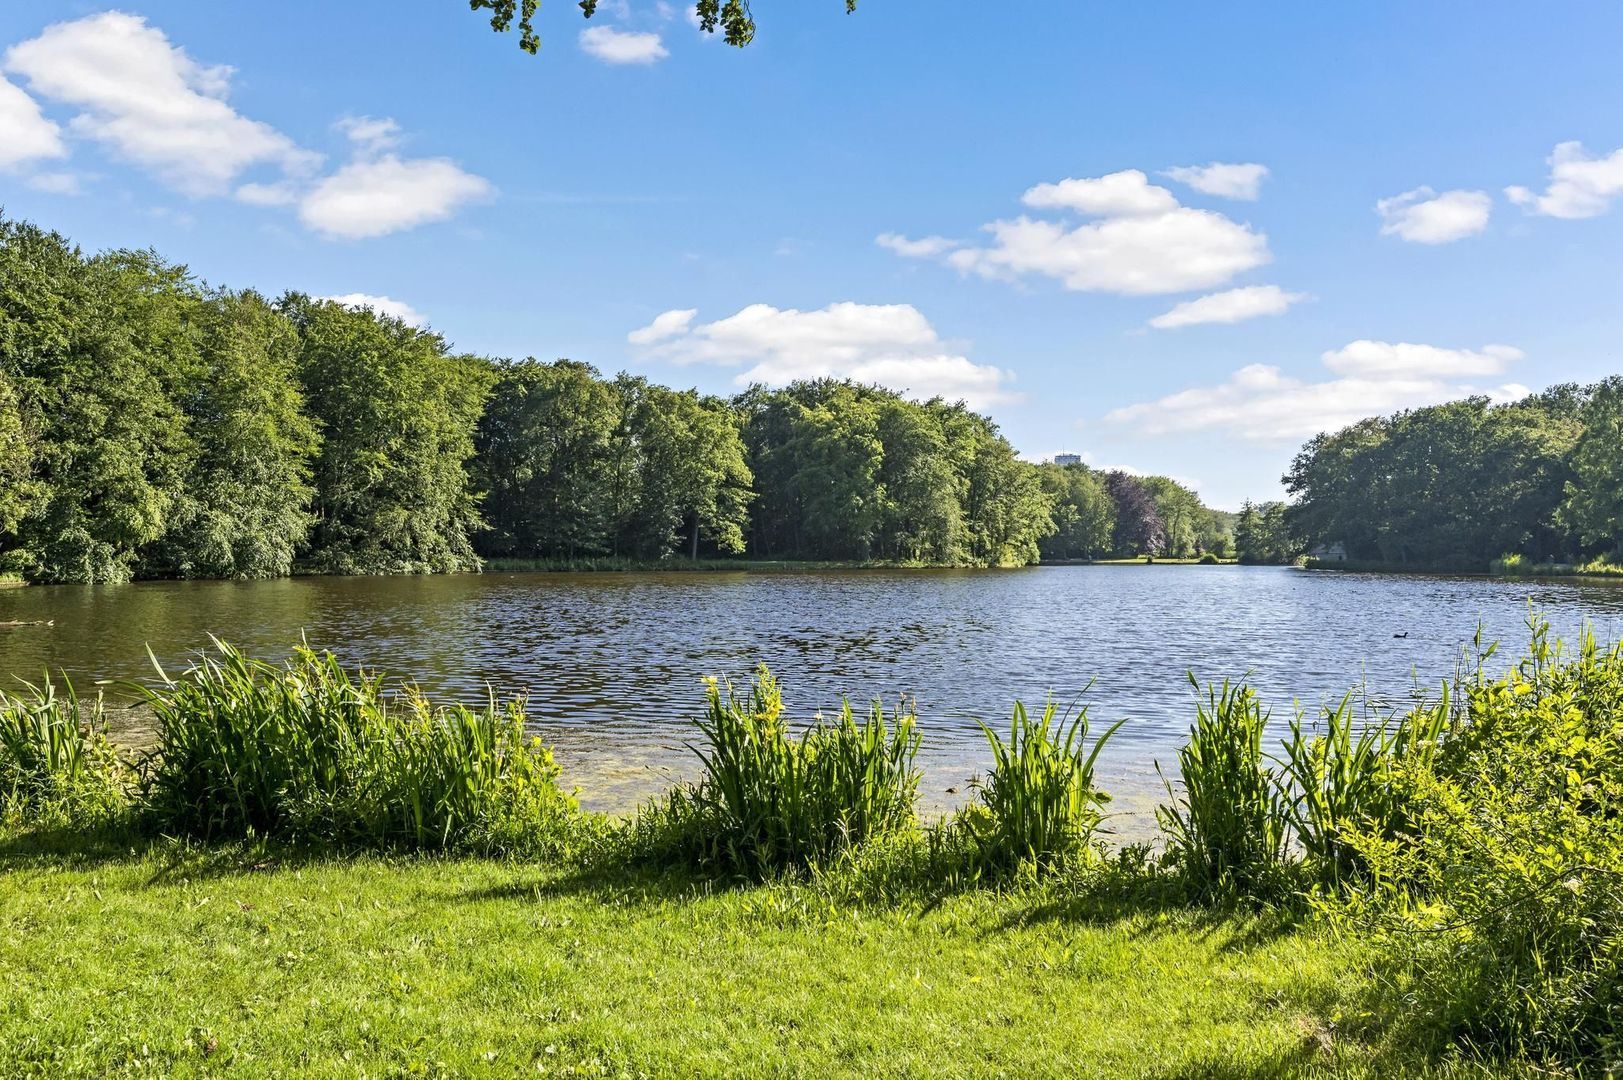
[315, 872]
[1140, 560]
[609, 563]
[1503, 567]
[166, 960]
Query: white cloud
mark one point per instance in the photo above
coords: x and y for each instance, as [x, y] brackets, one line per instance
[1260, 403]
[1235, 305]
[382, 305]
[1223, 180]
[1581, 186]
[1144, 242]
[665, 325]
[1380, 359]
[622, 46]
[1120, 194]
[151, 102]
[370, 134]
[893, 345]
[379, 196]
[1422, 216]
[925, 247]
[26, 136]
[282, 194]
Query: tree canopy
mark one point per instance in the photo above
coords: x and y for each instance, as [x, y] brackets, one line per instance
[1458, 485]
[732, 17]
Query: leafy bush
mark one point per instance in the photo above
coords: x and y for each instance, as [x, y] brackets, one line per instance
[305, 751]
[1226, 825]
[1040, 803]
[56, 764]
[1500, 905]
[1209, 559]
[768, 801]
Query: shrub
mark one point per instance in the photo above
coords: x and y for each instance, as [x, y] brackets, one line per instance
[305, 751]
[1226, 824]
[768, 801]
[1209, 559]
[1040, 803]
[1500, 906]
[56, 764]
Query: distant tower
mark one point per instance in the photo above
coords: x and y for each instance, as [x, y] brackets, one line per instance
[1067, 459]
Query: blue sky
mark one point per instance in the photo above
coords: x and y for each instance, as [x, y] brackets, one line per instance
[929, 195]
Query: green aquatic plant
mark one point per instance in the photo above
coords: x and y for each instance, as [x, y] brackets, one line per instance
[55, 760]
[308, 751]
[1039, 800]
[1226, 825]
[768, 800]
[1340, 777]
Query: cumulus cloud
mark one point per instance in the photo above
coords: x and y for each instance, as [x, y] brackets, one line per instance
[1224, 180]
[613, 46]
[1120, 194]
[382, 305]
[26, 136]
[150, 102]
[1232, 306]
[893, 345]
[374, 197]
[1422, 216]
[1141, 241]
[1261, 403]
[1581, 185]
[665, 325]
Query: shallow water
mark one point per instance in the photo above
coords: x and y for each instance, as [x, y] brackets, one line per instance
[612, 662]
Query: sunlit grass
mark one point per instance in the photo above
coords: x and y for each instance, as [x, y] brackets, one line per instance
[234, 961]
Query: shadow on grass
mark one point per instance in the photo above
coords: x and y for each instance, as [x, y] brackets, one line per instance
[177, 859]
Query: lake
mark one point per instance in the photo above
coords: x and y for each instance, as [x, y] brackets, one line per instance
[612, 662]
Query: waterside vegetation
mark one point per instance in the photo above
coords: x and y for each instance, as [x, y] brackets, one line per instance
[154, 427]
[1526, 487]
[1451, 878]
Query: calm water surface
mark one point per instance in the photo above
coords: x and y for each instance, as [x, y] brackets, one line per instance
[612, 662]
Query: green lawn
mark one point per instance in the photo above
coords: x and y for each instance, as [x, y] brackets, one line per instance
[173, 962]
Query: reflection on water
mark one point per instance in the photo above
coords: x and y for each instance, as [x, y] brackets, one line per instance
[612, 662]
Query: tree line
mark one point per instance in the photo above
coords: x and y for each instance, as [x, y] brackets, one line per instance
[152, 426]
[1461, 485]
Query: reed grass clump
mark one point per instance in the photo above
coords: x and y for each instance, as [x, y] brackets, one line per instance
[1339, 779]
[1226, 825]
[1038, 804]
[56, 765]
[768, 800]
[307, 751]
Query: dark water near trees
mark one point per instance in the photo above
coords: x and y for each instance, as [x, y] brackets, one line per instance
[612, 662]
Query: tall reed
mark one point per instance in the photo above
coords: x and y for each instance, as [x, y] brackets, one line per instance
[1039, 799]
[768, 801]
[307, 751]
[54, 755]
[1226, 825]
[1341, 780]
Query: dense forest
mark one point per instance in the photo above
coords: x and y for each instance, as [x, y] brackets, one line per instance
[154, 427]
[1464, 485]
